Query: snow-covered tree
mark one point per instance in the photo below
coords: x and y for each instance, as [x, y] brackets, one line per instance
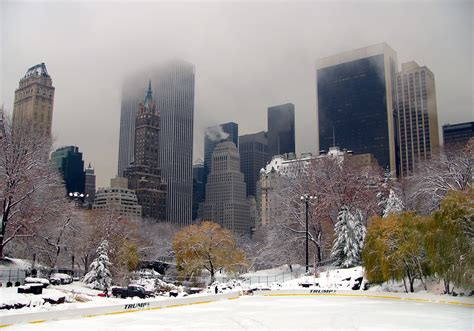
[99, 277]
[393, 204]
[451, 170]
[29, 187]
[349, 238]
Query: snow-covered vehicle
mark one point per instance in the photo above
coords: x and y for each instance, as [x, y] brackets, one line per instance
[34, 280]
[59, 279]
[131, 291]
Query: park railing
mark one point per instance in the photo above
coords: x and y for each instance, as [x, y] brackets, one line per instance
[9, 276]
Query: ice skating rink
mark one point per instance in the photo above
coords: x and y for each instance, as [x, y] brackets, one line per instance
[291, 313]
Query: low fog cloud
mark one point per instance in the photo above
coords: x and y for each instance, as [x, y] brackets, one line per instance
[248, 56]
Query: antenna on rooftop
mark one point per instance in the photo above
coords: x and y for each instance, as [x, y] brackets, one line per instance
[333, 138]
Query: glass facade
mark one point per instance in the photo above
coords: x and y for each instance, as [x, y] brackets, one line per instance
[281, 130]
[352, 103]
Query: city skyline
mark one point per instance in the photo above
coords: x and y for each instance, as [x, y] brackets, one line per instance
[237, 88]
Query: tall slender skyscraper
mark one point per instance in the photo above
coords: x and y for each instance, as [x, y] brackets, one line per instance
[357, 107]
[198, 187]
[418, 116]
[34, 100]
[281, 130]
[253, 157]
[175, 101]
[89, 187]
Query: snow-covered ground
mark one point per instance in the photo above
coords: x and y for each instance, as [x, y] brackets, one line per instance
[77, 295]
[281, 313]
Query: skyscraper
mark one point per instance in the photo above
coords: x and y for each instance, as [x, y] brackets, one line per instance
[175, 101]
[144, 173]
[281, 130]
[213, 136]
[253, 157]
[457, 135]
[198, 187]
[89, 187]
[68, 160]
[226, 202]
[34, 100]
[357, 107]
[174, 94]
[127, 127]
[417, 116]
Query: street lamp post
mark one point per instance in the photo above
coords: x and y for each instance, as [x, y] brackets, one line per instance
[76, 197]
[306, 199]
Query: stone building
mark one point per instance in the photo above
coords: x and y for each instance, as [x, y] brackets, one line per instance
[144, 175]
[34, 100]
[89, 187]
[116, 199]
[226, 201]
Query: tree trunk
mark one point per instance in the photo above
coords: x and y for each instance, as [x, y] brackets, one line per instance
[405, 284]
[446, 286]
[4, 218]
[424, 283]
[213, 278]
[411, 279]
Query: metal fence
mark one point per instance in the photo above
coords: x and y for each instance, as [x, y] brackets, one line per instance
[12, 275]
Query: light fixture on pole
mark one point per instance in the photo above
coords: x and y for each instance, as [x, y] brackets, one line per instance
[306, 199]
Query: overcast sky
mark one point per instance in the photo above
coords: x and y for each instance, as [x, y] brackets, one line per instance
[248, 56]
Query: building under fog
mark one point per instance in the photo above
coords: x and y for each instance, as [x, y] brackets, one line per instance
[281, 130]
[173, 88]
[253, 157]
[357, 102]
[418, 131]
[226, 201]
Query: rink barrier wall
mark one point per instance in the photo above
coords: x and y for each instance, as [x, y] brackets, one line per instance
[417, 297]
[115, 309]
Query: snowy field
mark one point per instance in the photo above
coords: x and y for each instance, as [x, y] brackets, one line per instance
[295, 312]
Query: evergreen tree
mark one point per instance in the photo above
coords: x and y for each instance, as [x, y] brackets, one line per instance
[349, 237]
[393, 204]
[99, 276]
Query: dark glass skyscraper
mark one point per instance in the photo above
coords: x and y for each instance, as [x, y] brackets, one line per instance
[357, 102]
[281, 130]
[213, 136]
[253, 157]
[68, 160]
[198, 187]
[457, 135]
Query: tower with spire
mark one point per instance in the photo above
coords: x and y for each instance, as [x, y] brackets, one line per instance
[144, 174]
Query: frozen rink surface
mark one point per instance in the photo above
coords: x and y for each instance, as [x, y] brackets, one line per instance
[293, 312]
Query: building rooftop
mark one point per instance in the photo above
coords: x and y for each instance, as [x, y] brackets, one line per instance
[37, 70]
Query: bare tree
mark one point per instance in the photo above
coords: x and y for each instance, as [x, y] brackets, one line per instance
[450, 170]
[27, 183]
[157, 238]
[333, 182]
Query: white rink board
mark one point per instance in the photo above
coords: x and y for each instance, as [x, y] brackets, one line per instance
[291, 312]
[112, 309]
